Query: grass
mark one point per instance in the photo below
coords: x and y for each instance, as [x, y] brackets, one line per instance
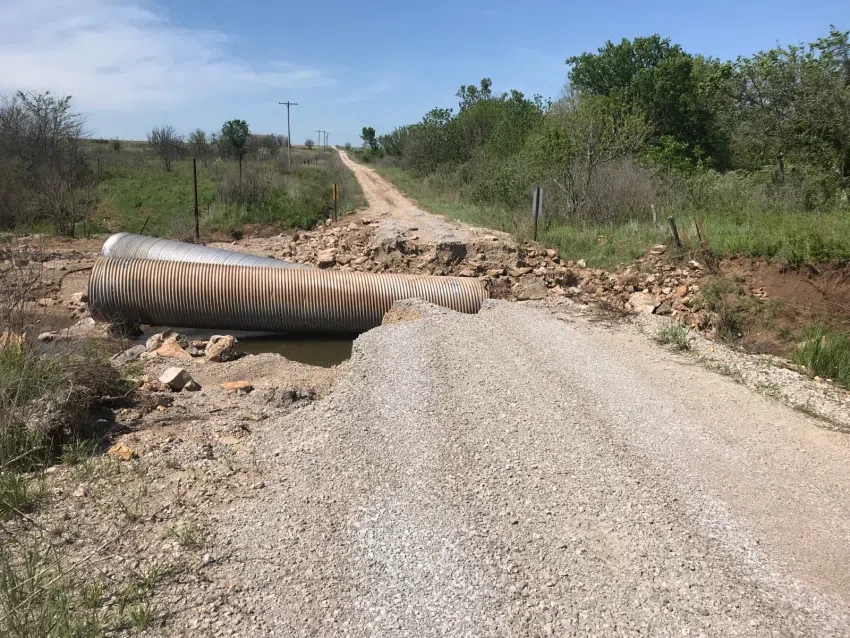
[825, 353]
[41, 598]
[137, 191]
[791, 237]
[189, 536]
[44, 402]
[673, 334]
[130, 194]
[19, 493]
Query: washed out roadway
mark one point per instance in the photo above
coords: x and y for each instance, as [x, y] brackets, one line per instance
[517, 473]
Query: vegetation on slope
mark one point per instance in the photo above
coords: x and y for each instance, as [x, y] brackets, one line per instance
[759, 148]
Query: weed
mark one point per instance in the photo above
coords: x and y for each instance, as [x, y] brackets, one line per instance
[825, 353]
[769, 388]
[190, 536]
[19, 493]
[675, 335]
[141, 614]
[38, 599]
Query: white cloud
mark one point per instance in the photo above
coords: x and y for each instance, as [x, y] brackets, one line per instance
[119, 54]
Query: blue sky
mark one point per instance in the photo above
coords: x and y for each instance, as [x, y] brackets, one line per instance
[135, 64]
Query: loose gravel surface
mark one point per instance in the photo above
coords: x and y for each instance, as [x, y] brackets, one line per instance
[520, 474]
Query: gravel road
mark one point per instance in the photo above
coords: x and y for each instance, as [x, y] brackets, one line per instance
[517, 474]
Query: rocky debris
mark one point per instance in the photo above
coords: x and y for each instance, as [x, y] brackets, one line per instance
[326, 258]
[154, 342]
[152, 384]
[643, 303]
[221, 348]
[122, 452]
[79, 298]
[130, 354]
[48, 337]
[192, 386]
[529, 287]
[240, 387]
[175, 378]
[171, 349]
[451, 250]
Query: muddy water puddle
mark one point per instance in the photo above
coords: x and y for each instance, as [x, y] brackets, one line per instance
[315, 350]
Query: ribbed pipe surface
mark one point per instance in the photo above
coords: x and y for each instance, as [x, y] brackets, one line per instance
[192, 295]
[130, 246]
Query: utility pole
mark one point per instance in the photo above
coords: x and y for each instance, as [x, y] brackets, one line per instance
[197, 213]
[318, 143]
[327, 135]
[289, 132]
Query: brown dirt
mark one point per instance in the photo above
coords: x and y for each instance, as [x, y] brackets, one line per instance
[778, 301]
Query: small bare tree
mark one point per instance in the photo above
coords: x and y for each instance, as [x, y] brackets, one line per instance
[166, 144]
[587, 134]
[309, 143]
[43, 167]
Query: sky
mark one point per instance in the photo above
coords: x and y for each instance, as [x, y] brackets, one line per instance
[131, 65]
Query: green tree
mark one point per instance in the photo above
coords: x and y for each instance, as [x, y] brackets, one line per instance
[309, 144]
[235, 135]
[369, 138]
[581, 135]
[471, 95]
[795, 101]
[678, 93]
[198, 145]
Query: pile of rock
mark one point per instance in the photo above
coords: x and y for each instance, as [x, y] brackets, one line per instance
[171, 345]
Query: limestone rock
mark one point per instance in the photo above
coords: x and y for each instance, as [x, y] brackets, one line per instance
[130, 354]
[242, 387]
[171, 349]
[643, 303]
[154, 342]
[175, 378]
[529, 287]
[326, 258]
[221, 348]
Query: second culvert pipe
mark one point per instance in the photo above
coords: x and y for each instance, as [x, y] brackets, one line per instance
[192, 295]
[130, 246]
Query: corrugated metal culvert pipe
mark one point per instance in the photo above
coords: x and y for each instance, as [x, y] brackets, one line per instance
[191, 295]
[128, 245]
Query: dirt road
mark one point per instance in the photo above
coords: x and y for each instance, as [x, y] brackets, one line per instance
[518, 473]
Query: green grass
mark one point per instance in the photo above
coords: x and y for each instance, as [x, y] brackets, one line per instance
[135, 189]
[41, 598]
[826, 353]
[19, 493]
[189, 536]
[792, 237]
[131, 194]
[674, 335]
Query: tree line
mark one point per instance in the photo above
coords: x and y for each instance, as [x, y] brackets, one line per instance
[234, 141]
[642, 120]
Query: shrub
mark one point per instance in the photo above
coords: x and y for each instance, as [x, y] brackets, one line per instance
[45, 398]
